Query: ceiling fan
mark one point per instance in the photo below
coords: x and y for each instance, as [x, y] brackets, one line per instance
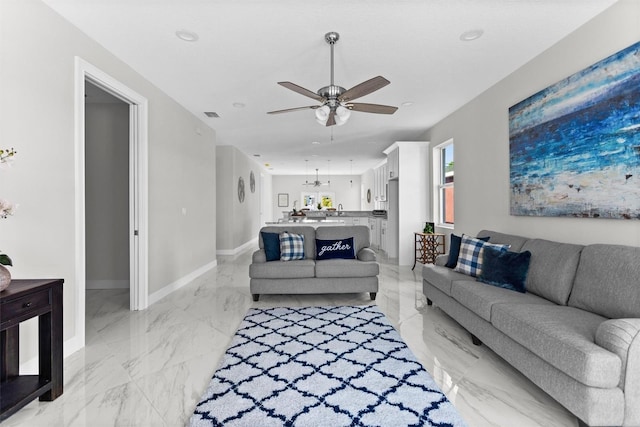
[317, 182]
[335, 101]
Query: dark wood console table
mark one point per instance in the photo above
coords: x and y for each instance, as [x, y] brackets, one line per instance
[22, 300]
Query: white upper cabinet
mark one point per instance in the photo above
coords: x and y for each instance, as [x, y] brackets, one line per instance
[393, 163]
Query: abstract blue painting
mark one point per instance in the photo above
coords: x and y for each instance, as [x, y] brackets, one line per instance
[574, 147]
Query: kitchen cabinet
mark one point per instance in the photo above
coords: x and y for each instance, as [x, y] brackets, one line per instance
[357, 220]
[393, 165]
[380, 185]
[373, 231]
[383, 234]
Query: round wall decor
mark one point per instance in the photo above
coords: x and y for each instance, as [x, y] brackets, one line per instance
[241, 189]
[369, 195]
[252, 182]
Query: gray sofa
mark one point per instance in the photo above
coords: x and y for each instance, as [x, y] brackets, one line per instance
[311, 276]
[575, 332]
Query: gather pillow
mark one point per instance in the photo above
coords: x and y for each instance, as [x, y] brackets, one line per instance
[335, 249]
[471, 252]
[291, 246]
[271, 243]
[505, 269]
[454, 249]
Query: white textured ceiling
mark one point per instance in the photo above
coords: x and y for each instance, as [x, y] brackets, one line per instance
[246, 46]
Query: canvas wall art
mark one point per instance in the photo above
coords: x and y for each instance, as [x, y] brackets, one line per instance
[575, 146]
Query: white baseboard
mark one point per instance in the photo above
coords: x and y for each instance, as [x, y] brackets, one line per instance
[107, 284]
[236, 251]
[172, 287]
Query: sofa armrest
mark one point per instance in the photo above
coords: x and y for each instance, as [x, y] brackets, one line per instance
[366, 254]
[259, 256]
[442, 259]
[622, 337]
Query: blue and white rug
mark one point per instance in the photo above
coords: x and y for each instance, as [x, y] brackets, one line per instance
[321, 366]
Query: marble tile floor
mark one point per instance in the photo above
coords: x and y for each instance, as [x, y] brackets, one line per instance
[149, 368]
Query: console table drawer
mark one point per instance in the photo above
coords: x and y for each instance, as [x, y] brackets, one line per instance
[23, 306]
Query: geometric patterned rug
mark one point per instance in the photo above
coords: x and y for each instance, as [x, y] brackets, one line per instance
[321, 366]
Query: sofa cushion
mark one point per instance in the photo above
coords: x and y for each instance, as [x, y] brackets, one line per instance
[608, 281]
[441, 277]
[346, 268]
[479, 297]
[360, 234]
[367, 254]
[471, 252]
[552, 268]
[301, 269]
[335, 249]
[271, 245]
[564, 337]
[505, 269]
[309, 234]
[454, 249]
[291, 246]
[515, 242]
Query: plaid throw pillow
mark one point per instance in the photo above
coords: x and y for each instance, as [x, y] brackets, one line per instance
[470, 258]
[291, 246]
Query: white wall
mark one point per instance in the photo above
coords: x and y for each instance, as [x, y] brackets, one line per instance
[107, 195]
[480, 133]
[367, 184]
[345, 187]
[37, 56]
[238, 223]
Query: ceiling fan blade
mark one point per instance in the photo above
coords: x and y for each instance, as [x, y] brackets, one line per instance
[288, 110]
[364, 88]
[332, 118]
[372, 108]
[302, 91]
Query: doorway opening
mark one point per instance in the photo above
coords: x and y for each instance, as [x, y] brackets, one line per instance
[127, 228]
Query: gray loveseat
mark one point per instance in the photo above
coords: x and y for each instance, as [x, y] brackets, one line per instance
[311, 276]
[575, 332]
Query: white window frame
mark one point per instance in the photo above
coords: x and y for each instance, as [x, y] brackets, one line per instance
[439, 186]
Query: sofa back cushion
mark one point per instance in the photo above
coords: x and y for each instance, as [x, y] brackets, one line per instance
[608, 281]
[360, 234]
[552, 268]
[515, 242]
[309, 234]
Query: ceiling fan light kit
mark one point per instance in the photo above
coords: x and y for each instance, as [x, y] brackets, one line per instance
[336, 105]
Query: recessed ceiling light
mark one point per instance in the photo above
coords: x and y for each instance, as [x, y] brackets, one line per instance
[187, 36]
[471, 35]
[407, 104]
[314, 155]
[238, 105]
[211, 114]
[256, 155]
[315, 142]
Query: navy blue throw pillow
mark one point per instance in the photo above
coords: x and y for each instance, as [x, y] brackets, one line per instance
[271, 243]
[505, 269]
[454, 249]
[332, 249]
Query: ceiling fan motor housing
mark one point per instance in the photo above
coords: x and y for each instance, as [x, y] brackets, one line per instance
[331, 94]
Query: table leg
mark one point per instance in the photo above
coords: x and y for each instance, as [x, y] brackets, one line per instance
[10, 353]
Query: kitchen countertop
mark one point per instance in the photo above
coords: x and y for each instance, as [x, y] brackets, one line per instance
[349, 214]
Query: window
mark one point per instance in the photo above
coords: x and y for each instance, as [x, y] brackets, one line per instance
[444, 178]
